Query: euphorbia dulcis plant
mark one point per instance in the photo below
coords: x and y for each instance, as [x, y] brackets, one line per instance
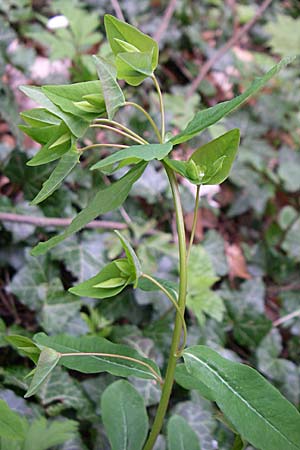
[253, 408]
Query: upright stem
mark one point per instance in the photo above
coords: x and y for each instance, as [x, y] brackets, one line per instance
[169, 379]
[194, 221]
[161, 105]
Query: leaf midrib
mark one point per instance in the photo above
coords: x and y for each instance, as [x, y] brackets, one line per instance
[252, 408]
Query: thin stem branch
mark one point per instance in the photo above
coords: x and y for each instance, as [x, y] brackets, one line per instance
[115, 130]
[222, 50]
[169, 380]
[57, 221]
[122, 127]
[165, 20]
[117, 9]
[194, 222]
[161, 105]
[112, 355]
[140, 108]
[88, 147]
[175, 304]
[286, 318]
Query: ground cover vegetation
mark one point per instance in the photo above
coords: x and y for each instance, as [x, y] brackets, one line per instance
[96, 324]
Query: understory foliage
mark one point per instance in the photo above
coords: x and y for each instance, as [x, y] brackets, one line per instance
[139, 339]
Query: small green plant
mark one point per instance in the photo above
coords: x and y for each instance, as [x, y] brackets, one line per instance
[251, 407]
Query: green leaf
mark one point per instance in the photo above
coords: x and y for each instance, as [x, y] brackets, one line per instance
[146, 152]
[134, 263]
[180, 435]
[206, 118]
[187, 381]
[96, 364]
[107, 199]
[53, 148]
[207, 157]
[47, 361]
[124, 416]
[42, 435]
[113, 95]
[39, 117]
[147, 285]
[25, 345]
[67, 96]
[261, 415]
[117, 31]
[11, 425]
[76, 124]
[94, 287]
[134, 67]
[61, 171]
[41, 135]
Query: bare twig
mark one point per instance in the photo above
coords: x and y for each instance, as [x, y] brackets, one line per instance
[286, 318]
[57, 222]
[165, 20]
[117, 9]
[222, 50]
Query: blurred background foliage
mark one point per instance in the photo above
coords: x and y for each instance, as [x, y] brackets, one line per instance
[244, 289]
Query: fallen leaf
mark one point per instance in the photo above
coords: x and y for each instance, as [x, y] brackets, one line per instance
[236, 262]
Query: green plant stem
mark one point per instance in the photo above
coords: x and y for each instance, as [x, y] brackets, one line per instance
[194, 222]
[161, 105]
[88, 147]
[169, 380]
[115, 130]
[175, 304]
[122, 127]
[113, 355]
[140, 108]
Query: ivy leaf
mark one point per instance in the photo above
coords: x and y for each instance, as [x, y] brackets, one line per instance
[247, 400]
[133, 261]
[124, 416]
[118, 31]
[47, 361]
[113, 95]
[103, 285]
[42, 435]
[11, 425]
[146, 152]
[62, 170]
[96, 364]
[107, 199]
[206, 118]
[180, 435]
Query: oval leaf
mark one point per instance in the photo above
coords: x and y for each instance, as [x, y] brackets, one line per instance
[258, 411]
[146, 152]
[180, 435]
[96, 364]
[124, 416]
[47, 361]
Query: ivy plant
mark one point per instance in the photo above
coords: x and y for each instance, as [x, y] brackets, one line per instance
[253, 408]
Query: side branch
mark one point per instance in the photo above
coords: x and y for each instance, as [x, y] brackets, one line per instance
[57, 221]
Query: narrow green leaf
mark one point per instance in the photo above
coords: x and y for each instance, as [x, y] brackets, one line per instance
[76, 124]
[39, 117]
[39, 134]
[260, 414]
[117, 31]
[208, 156]
[146, 152]
[113, 95]
[132, 259]
[96, 364]
[107, 199]
[11, 425]
[187, 381]
[25, 345]
[124, 416]
[134, 67]
[94, 288]
[180, 435]
[47, 361]
[204, 119]
[62, 170]
[147, 285]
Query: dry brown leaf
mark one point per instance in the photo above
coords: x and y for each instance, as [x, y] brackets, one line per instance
[236, 262]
